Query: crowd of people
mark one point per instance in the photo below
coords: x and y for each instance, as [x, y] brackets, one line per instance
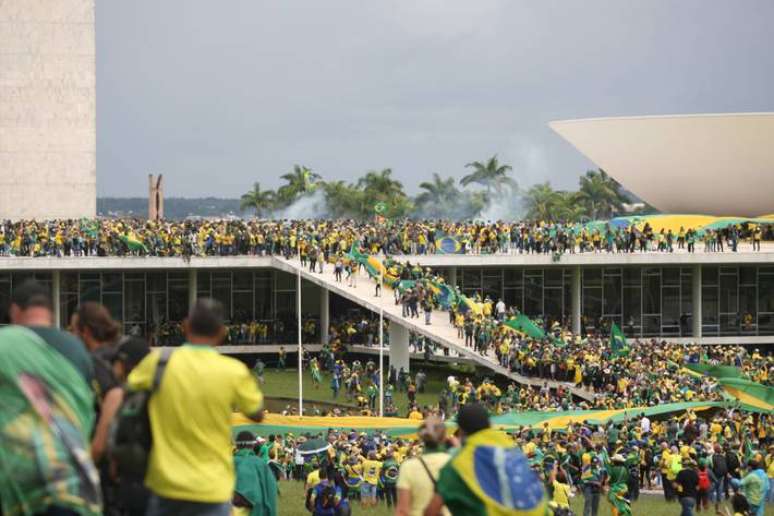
[324, 239]
[72, 441]
[695, 460]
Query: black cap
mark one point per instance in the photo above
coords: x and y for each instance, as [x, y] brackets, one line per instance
[31, 293]
[131, 351]
[472, 417]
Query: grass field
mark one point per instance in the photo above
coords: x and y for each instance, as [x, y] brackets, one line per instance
[291, 503]
[285, 384]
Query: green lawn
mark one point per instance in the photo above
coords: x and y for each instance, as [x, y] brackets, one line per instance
[291, 503]
[285, 384]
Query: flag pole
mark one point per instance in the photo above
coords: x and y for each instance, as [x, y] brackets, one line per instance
[381, 343]
[300, 347]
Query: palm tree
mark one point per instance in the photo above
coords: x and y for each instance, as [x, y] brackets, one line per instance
[491, 175]
[600, 194]
[546, 204]
[439, 199]
[299, 182]
[381, 187]
[342, 200]
[257, 199]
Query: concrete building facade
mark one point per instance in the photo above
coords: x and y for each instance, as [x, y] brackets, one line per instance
[47, 109]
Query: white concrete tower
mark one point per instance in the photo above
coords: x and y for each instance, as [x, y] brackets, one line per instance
[47, 109]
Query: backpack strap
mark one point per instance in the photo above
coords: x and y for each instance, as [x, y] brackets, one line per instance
[429, 474]
[166, 354]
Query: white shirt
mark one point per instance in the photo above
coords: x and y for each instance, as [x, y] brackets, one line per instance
[645, 424]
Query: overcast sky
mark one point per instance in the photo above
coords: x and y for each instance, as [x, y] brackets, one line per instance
[218, 94]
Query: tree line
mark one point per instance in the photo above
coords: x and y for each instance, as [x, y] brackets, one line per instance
[488, 183]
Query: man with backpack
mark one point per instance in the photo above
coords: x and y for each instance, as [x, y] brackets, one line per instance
[191, 468]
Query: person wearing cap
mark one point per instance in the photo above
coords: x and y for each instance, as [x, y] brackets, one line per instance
[46, 381]
[687, 486]
[255, 493]
[418, 475]
[488, 474]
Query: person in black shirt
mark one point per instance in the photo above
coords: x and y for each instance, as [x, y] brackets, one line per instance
[687, 485]
[97, 329]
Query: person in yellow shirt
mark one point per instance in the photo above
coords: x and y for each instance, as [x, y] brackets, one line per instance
[371, 469]
[415, 414]
[191, 467]
[562, 492]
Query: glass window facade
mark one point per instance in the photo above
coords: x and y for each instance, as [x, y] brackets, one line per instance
[644, 301]
[154, 303]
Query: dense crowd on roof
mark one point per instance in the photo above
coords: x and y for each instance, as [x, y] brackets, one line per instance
[122, 237]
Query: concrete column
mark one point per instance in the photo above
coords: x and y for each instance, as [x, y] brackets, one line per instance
[575, 293]
[325, 316]
[453, 276]
[192, 287]
[56, 288]
[399, 346]
[696, 303]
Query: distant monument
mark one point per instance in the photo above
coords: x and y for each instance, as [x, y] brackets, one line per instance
[155, 197]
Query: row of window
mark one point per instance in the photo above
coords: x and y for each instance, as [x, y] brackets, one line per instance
[645, 301]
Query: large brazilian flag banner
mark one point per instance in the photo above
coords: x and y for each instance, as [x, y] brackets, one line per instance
[447, 244]
[716, 371]
[279, 424]
[753, 396]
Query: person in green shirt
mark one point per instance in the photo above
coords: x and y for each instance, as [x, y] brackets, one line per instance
[618, 478]
[255, 493]
[389, 479]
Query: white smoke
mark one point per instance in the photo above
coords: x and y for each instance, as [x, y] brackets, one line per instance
[309, 206]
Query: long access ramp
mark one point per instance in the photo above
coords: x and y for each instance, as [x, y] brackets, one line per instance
[440, 331]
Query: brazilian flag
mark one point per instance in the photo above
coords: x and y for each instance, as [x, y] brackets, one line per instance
[465, 305]
[447, 244]
[522, 324]
[618, 344]
[753, 396]
[133, 243]
[499, 475]
[446, 295]
[372, 265]
[716, 371]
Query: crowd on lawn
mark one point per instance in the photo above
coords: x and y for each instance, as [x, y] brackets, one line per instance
[328, 238]
[696, 460]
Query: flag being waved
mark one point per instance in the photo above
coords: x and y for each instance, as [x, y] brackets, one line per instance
[618, 344]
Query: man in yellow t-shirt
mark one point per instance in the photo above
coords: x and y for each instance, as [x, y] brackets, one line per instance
[371, 469]
[191, 468]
